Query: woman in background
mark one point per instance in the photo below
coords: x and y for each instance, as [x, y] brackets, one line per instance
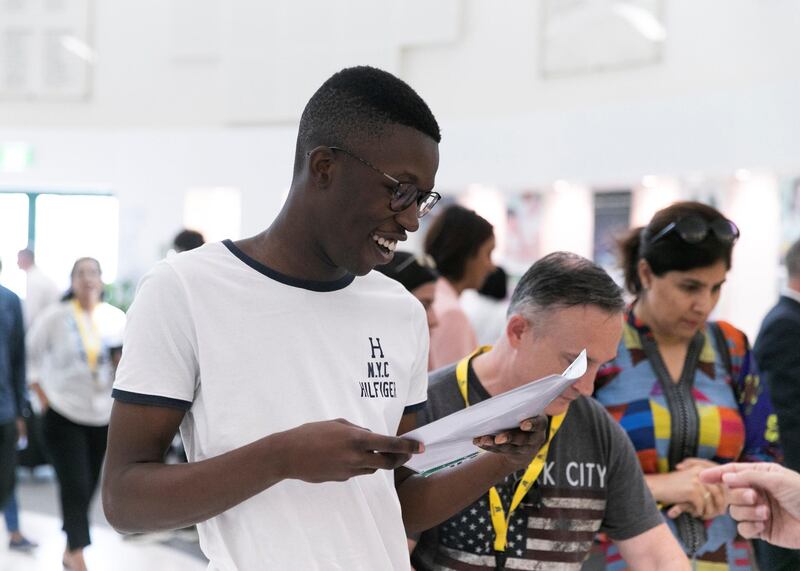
[72, 352]
[461, 244]
[418, 275]
[487, 307]
[684, 388]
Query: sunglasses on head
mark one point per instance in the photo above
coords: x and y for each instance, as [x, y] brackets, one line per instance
[694, 229]
[423, 260]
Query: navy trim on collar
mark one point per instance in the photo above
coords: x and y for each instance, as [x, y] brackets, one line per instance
[288, 280]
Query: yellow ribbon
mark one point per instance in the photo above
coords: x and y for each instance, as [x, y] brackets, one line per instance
[500, 521]
[90, 338]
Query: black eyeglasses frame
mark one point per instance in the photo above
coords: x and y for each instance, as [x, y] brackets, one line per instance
[404, 193]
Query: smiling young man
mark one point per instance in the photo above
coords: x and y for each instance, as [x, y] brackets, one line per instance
[590, 479]
[290, 368]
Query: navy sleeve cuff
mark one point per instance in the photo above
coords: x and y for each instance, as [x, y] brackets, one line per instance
[150, 400]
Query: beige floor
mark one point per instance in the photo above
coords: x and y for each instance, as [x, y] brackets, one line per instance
[108, 551]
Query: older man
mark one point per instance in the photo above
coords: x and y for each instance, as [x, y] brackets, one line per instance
[587, 478]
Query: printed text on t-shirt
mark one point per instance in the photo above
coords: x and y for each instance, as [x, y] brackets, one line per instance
[378, 385]
[576, 474]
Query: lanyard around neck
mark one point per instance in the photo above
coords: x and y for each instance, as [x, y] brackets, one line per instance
[500, 521]
[90, 336]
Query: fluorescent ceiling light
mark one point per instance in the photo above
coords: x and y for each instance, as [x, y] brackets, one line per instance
[79, 48]
[649, 181]
[642, 21]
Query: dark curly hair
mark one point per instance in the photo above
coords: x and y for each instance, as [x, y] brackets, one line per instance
[671, 253]
[360, 102]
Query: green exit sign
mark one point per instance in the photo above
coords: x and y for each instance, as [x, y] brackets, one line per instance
[15, 157]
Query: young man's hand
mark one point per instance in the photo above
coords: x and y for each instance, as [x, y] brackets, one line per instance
[337, 450]
[518, 447]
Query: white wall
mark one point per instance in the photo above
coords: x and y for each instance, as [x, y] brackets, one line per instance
[150, 169]
[215, 62]
[206, 92]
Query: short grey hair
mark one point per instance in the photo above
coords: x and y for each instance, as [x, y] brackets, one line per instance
[793, 260]
[561, 280]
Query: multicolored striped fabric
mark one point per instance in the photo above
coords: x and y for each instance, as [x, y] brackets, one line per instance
[736, 422]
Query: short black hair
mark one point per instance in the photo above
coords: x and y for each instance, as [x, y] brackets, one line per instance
[793, 260]
[186, 240]
[454, 237]
[671, 253]
[358, 103]
[561, 280]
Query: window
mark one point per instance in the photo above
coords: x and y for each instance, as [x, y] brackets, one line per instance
[69, 227]
[61, 228]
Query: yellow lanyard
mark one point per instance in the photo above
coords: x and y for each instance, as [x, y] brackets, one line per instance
[500, 521]
[90, 338]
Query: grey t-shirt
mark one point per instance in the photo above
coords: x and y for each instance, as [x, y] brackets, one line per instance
[591, 482]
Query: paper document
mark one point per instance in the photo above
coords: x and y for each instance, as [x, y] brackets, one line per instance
[449, 439]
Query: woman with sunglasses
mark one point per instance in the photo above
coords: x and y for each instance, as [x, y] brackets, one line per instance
[684, 388]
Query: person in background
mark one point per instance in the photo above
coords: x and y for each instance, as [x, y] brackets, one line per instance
[686, 389]
[14, 405]
[588, 478]
[418, 275]
[40, 290]
[187, 240]
[486, 308]
[764, 498]
[778, 358]
[72, 352]
[13, 393]
[461, 243]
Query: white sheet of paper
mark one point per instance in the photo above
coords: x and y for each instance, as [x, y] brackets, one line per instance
[449, 439]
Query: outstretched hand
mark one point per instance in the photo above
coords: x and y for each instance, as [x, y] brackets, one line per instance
[764, 498]
[698, 499]
[519, 446]
[337, 450]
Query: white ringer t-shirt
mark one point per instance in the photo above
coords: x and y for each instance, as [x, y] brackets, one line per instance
[248, 352]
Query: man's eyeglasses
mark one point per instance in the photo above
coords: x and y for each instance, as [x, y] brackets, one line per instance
[404, 194]
[694, 229]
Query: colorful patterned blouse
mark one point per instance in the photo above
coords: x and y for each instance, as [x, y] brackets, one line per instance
[718, 411]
